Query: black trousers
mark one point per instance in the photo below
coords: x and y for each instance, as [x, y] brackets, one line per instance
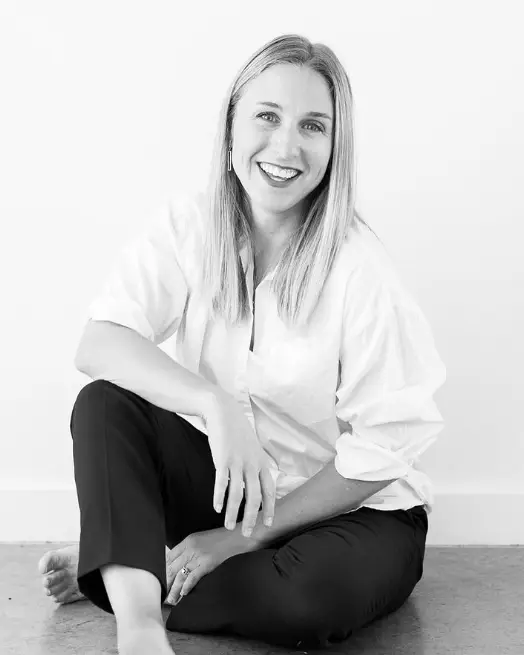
[144, 478]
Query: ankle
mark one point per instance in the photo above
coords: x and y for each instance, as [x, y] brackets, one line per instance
[136, 624]
[146, 632]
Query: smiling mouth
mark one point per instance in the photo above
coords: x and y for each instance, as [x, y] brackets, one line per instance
[276, 178]
[283, 168]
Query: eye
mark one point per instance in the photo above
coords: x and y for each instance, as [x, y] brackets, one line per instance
[265, 113]
[318, 127]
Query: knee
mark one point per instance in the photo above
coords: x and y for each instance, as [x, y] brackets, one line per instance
[319, 611]
[89, 402]
[93, 392]
[305, 621]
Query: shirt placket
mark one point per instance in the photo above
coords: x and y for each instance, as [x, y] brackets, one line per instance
[242, 378]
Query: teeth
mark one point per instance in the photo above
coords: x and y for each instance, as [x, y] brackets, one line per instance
[282, 173]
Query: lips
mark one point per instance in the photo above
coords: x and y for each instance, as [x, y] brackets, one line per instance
[273, 182]
[289, 168]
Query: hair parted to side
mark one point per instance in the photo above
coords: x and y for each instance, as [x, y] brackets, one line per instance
[307, 259]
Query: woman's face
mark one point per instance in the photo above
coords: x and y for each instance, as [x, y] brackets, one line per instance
[285, 136]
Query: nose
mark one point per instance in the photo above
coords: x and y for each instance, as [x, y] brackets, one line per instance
[286, 144]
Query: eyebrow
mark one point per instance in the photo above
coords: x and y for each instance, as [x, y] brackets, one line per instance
[317, 114]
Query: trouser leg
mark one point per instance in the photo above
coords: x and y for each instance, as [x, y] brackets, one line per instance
[316, 587]
[144, 479]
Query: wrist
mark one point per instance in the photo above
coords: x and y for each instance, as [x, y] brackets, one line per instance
[212, 399]
[246, 543]
[261, 535]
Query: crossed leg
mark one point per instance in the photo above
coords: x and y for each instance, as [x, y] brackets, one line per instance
[315, 588]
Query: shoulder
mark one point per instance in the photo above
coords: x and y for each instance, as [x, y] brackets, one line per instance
[186, 212]
[364, 258]
[175, 229]
[178, 222]
[371, 275]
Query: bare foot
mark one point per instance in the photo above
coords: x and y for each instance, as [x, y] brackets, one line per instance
[59, 574]
[59, 570]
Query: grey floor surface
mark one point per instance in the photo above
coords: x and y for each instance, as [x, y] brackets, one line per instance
[470, 601]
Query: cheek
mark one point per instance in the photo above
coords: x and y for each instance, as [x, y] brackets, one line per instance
[325, 154]
[247, 154]
[319, 154]
[321, 164]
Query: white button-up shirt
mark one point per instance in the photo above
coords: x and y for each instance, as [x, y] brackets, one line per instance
[356, 386]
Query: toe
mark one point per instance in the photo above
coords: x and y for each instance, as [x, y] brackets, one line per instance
[47, 562]
[52, 579]
[57, 588]
[61, 597]
[64, 595]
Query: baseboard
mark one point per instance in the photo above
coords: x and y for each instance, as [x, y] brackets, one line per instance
[51, 515]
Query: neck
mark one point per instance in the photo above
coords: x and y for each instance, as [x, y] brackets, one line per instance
[271, 231]
[271, 237]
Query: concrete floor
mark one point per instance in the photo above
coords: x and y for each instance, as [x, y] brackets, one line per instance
[469, 602]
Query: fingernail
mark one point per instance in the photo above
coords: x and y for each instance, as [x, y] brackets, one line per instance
[230, 525]
[247, 533]
[268, 522]
[218, 508]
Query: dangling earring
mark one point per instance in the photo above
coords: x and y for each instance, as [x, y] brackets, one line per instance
[229, 158]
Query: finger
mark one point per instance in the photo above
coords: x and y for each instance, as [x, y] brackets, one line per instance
[267, 486]
[221, 482]
[171, 573]
[178, 581]
[234, 499]
[192, 579]
[176, 551]
[175, 561]
[253, 500]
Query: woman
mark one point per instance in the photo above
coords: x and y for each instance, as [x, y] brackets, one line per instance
[275, 454]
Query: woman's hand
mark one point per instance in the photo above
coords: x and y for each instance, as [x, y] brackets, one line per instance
[201, 552]
[241, 462]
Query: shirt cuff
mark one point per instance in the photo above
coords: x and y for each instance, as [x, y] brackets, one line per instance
[123, 314]
[361, 460]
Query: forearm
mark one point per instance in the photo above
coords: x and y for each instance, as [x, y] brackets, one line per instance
[324, 495]
[120, 355]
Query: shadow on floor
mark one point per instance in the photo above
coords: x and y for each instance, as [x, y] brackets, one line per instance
[469, 601]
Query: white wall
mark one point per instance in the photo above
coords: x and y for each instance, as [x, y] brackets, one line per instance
[109, 106]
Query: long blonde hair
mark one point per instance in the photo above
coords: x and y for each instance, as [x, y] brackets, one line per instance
[307, 259]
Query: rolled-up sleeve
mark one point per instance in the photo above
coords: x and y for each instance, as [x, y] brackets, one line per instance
[146, 289]
[389, 372]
